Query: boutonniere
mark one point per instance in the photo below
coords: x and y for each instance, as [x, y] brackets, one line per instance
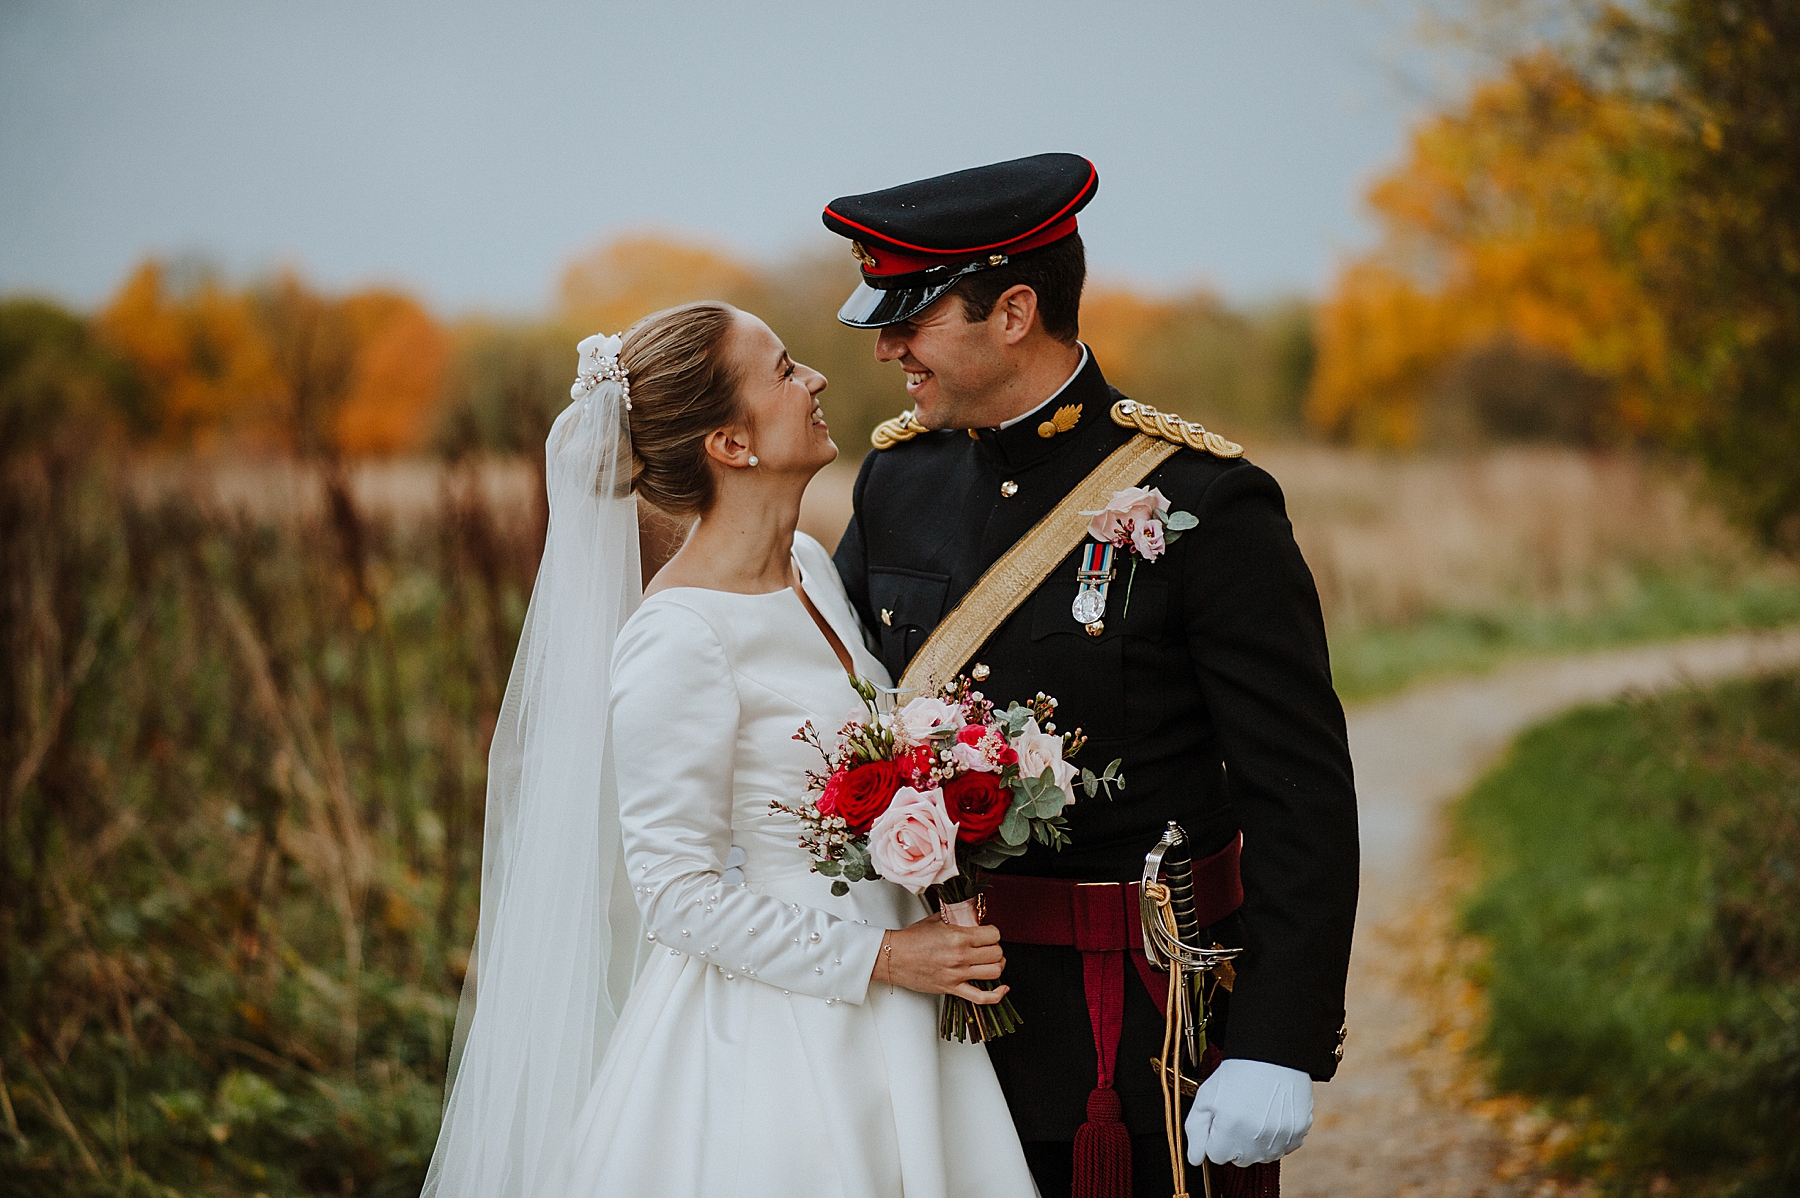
[1137, 521]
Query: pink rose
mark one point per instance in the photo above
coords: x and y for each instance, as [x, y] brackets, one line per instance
[1135, 505]
[1147, 539]
[926, 717]
[913, 843]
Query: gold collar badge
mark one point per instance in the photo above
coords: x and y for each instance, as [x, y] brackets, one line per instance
[1066, 418]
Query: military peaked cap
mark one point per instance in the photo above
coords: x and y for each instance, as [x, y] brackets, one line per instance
[916, 241]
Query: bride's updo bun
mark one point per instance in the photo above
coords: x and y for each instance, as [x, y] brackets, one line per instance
[682, 388]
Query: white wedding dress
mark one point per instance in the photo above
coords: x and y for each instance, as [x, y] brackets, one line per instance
[753, 1057]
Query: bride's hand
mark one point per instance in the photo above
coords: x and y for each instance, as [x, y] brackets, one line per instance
[934, 958]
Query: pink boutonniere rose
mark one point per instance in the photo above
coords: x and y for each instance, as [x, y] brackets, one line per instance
[1138, 521]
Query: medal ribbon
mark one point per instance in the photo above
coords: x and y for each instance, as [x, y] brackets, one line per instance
[1096, 571]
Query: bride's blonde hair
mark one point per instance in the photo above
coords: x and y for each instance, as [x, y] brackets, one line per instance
[682, 388]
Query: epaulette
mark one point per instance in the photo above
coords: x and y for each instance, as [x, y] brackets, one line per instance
[1128, 413]
[890, 433]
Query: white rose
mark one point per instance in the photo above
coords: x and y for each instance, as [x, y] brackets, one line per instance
[913, 842]
[1039, 751]
[925, 716]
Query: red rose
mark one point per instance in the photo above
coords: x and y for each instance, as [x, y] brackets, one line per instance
[978, 804]
[865, 793]
[915, 764]
[827, 803]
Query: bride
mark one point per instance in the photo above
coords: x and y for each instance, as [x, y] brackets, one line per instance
[776, 1040]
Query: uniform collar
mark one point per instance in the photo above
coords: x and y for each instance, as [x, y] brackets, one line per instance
[1022, 443]
[1054, 395]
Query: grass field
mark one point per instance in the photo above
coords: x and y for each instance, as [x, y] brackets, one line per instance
[1640, 903]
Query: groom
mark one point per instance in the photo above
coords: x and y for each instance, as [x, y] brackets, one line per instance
[1204, 668]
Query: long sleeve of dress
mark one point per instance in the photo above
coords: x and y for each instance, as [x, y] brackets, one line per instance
[675, 721]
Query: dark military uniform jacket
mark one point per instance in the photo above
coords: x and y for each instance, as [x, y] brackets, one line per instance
[1215, 690]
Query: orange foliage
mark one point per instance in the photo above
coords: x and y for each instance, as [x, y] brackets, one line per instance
[1521, 218]
[280, 366]
[201, 354]
[397, 377]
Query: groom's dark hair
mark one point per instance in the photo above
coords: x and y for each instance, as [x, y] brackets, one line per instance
[1055, 272]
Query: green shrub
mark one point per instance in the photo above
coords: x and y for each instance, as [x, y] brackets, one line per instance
[1642, 903]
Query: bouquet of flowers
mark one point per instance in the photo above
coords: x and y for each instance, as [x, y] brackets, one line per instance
[934, 791]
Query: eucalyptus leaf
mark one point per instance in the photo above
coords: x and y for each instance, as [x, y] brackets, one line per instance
[1179, 522]
[1015, 827]
[830, 869]
[840, 888]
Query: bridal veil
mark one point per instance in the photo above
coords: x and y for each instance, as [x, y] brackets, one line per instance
[557, 943]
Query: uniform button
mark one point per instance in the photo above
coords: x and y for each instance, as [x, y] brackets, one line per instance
[1096, 628]
[1008, 489]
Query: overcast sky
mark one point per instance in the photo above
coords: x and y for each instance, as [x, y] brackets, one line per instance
[466, 151]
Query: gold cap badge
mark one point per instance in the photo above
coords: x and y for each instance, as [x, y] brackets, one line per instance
[861, 255]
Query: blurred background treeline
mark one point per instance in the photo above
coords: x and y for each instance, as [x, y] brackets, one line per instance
[264, 553]
[181, 360]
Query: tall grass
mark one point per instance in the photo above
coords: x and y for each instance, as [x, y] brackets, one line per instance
[243, 765]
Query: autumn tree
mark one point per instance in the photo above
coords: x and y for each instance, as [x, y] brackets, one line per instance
[1517, 221]
[1625, 207]
[278, 365]
[205, 365]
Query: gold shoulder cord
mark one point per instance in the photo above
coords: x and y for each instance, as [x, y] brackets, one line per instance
[895, 431]
[1129, 413]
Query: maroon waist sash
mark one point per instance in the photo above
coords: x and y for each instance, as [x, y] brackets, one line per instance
[1101, 920]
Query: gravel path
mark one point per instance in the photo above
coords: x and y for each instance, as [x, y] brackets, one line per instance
[1406, 1115]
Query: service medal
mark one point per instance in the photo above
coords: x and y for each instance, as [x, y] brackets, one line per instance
[1095, 573]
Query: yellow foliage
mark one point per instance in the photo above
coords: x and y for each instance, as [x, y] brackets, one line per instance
[608, 288]
[1521, 218]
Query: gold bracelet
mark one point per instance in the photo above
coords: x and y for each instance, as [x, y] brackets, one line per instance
[887, 953]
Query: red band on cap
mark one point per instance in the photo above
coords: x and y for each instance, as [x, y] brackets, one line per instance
[890, 262]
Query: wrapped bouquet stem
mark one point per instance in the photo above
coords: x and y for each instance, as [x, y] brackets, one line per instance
[932, 793]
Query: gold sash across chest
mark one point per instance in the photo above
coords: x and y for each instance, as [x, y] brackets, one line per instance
[1021, 569]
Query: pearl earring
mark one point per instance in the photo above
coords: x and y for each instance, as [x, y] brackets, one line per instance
[753, 459]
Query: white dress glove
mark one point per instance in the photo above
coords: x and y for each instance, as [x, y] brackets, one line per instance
[1249, 1112]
